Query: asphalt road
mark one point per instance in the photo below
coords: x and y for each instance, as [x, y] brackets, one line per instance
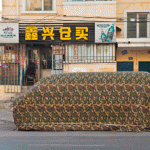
[72, 140]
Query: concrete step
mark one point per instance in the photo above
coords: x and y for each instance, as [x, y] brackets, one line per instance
[8, 104]
[26, 88]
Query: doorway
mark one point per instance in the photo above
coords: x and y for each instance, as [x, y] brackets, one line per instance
[124, 66]
[144, 66]
[48, 59]
[45, 60]
[33, 57]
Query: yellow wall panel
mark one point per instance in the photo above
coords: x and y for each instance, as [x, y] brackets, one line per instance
[93, 67]
[138, 55]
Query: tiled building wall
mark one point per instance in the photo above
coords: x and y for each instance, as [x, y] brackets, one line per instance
[102, 10]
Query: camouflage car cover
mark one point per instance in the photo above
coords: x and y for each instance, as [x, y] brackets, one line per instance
[109, 101]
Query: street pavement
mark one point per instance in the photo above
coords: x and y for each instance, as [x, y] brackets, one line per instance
[73, 140]
[12, 139]
[6, 112]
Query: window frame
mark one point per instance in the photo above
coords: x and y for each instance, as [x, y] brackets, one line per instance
[137, 12]
[95, 59]
[69, 2]
[38, 12]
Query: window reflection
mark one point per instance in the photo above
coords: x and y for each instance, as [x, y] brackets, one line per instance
[47, 4]
[33, 56]
[35, 5]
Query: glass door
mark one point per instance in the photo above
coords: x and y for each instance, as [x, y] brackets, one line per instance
[46, 60]
[33, 57]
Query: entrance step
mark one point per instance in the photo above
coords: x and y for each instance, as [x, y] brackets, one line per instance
[26, 88]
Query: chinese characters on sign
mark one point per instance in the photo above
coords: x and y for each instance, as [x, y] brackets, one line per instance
[67, 37]
[31, 33]
[48, 33]
[80, 33]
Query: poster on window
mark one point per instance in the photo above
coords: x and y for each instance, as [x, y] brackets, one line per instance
[75, 55]
[7, 57]
[105, 32]
[9, 33]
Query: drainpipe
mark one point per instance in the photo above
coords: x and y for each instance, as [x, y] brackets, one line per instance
[17, 9]
[1, 10]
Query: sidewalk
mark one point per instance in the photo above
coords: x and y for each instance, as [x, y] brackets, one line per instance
[6, 112]
[6, 108]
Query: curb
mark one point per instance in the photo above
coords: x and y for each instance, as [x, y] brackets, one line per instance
[6, 122]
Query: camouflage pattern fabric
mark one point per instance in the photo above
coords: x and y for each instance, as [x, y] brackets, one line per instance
[91, 101]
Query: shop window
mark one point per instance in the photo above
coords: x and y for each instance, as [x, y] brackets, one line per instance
[46, 59]
[105, 52]
[89, 51]
[10, 64]
[81, 52]
[137, 25]
[77, 53]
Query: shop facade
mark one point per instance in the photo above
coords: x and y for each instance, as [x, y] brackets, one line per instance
[10, 64]
[68, 47]
[69, 50]
[57, 48]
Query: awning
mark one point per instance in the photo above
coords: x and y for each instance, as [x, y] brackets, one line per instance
[133, 43]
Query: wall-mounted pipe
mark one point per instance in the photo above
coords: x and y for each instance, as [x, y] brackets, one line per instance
[17, 9]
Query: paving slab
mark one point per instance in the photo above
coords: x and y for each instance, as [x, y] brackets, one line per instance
[6, 114]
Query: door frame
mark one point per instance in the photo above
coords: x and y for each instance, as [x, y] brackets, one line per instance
[44, 47]
[30, 47]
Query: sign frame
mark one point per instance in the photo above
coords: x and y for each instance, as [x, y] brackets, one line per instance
[50, 29]
[105, 32]
[9, 33]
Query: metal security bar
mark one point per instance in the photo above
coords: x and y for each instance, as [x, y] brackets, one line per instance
[96, 53]
[11, 69]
